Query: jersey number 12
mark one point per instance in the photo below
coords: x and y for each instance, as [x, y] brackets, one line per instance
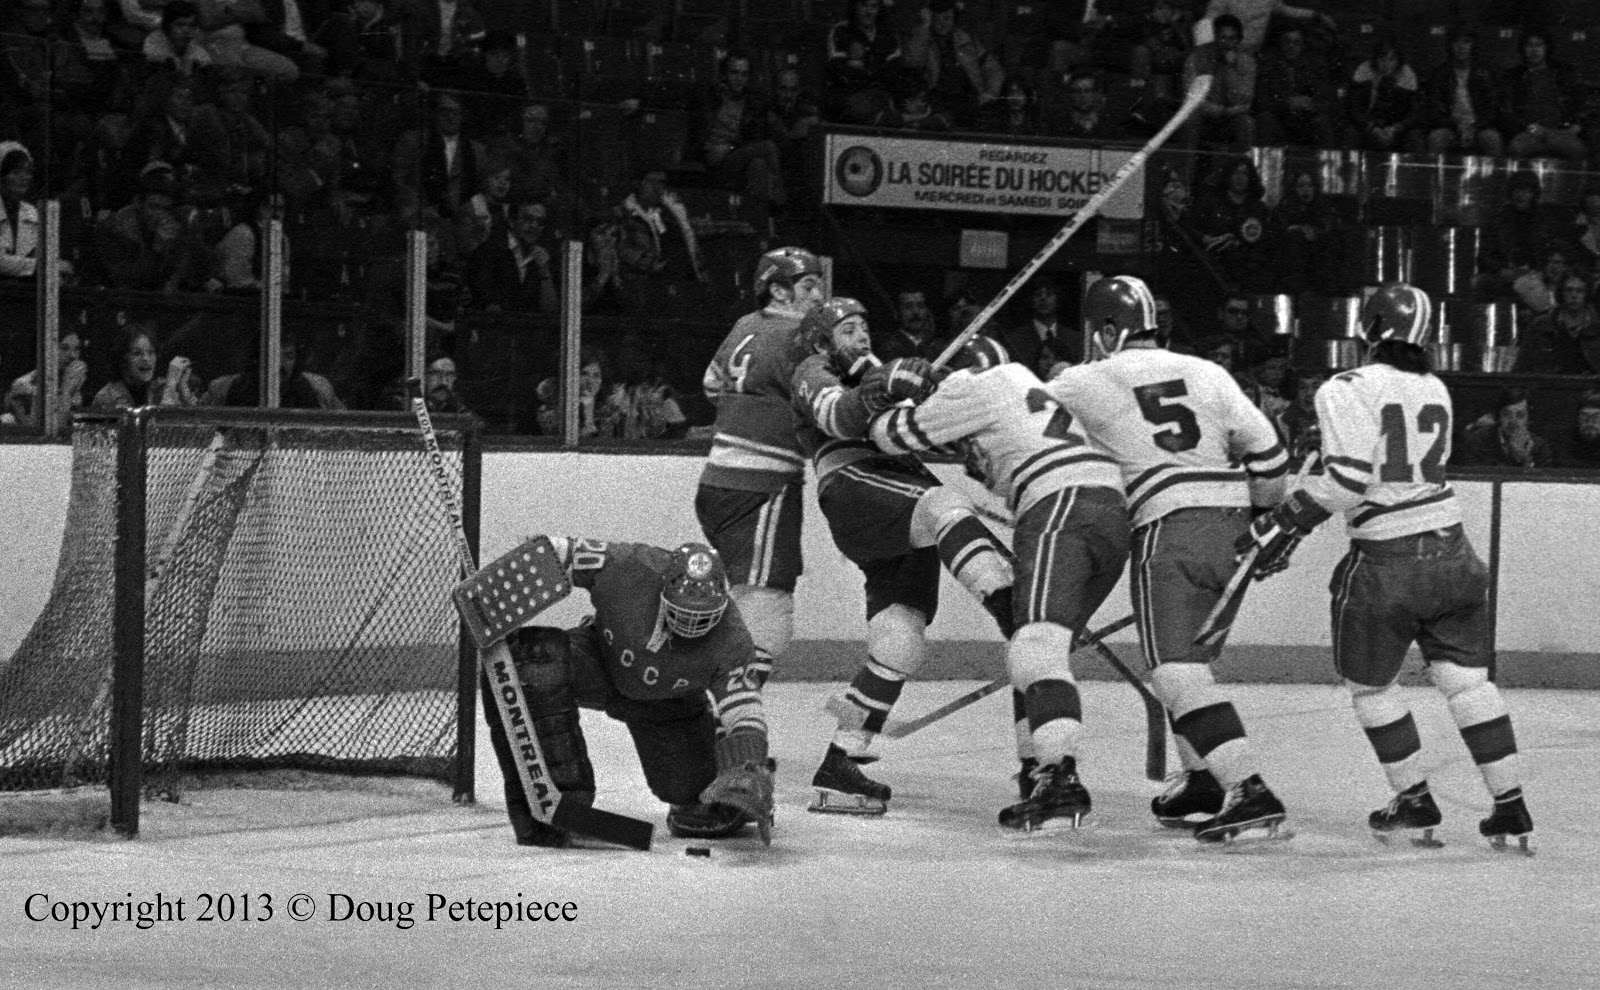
[1431, 418]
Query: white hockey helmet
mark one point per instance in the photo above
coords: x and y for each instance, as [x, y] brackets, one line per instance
[1116, 309]
[1397, 311]
[980, 354]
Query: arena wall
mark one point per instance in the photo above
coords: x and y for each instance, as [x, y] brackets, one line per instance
[1546, 563]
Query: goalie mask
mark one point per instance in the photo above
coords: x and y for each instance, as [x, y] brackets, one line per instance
[817, 331]
[1397, 311]
[696, 590]
[787, 265]
[1117, 309]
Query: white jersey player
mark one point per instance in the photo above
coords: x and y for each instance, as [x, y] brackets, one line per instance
[1410, 575]
[1196, 455]
[1070, 547]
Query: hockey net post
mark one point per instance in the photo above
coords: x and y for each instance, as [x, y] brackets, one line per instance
[245, 598]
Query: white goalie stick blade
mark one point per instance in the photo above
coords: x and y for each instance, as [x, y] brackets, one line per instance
[1193, 98]
[505, 594]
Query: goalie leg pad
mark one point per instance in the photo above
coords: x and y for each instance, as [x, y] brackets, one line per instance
[1392, 732]
[544, 665]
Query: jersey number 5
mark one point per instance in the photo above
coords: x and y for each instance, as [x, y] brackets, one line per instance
[1060, 426]
[1184, 428]
[1431, 418]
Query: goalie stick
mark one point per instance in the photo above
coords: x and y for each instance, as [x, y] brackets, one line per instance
[894, 729]
[544, 798]
[1196, 95]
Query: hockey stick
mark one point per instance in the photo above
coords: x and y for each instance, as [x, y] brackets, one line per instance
[1155, 714]
[899, 730]
[1198, 89]
[544, 797]
[1220, 622]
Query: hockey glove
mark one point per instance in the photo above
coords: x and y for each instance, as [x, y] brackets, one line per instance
[1275, 534]
[888, 384]
[744, 780]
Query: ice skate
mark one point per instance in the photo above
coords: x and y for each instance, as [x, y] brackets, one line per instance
[1412, 810]
[705, 821]
[1057, 793]
[1509, 820]
[1191, 798]
[842, 789]
[1250, 806]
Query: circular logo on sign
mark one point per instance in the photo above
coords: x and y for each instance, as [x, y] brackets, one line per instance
[859, 171]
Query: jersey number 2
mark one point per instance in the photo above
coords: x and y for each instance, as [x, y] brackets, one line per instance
[1185, 428]
[1060, 426]
[1431, 418]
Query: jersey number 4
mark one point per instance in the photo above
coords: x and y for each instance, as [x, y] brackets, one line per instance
[1431, 418]
[1182, 428]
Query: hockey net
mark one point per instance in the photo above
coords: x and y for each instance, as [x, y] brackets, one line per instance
[283, 581]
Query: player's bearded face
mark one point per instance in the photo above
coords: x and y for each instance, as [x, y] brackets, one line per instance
[851, 341]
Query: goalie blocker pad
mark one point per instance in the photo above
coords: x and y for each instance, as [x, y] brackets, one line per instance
[507, 593]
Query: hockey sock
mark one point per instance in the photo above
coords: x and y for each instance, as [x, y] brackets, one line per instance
[1392, 732]
[1187, 757]
[1055, 713]
[872, 692]
[974, 555]
[1217, 735]
[1485, 725]
[1019, 716]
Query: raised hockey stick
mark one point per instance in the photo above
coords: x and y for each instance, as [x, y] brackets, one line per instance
[894, 729]
[544, 797]
[1191, 103]
[1220, 622]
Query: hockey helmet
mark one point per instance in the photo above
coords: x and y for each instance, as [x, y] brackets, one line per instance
[816, 328]
[785, 264]
[696, 590]
[1397, 311]
[980, 354]
[1116, 309]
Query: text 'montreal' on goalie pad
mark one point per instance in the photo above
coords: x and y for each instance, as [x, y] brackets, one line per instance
[508, 592]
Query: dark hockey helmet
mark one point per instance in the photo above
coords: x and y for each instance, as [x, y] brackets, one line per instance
[1116, 309]
[816, 328]
[1397, 311]
[696, 590]
[788, 264]
[980, 354]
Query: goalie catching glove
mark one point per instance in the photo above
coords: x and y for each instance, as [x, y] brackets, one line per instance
[744, 779]
[1275, 534]
[903, 378]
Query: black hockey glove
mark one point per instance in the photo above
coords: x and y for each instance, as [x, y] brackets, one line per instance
[1275, 534]
[744, 779]
[889, 384]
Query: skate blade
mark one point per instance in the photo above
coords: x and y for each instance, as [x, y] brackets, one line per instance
[1181, 824]
[837, 803]
[1042, 823]
[1501, 843]
[1269, 828]
[1421, 838]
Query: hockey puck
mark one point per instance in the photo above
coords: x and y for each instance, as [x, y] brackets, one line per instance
[697, 851]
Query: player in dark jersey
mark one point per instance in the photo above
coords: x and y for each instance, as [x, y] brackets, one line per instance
[665, 653]
[893, 519]
[1411, 576]
[749, 499]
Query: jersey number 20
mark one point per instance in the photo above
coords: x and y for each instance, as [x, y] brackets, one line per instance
[1431, 418]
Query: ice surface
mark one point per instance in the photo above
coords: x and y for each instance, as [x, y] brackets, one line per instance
[932, 895]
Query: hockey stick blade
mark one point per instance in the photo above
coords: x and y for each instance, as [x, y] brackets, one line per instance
[1196, 95]
[899, 730]
[606, 826]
